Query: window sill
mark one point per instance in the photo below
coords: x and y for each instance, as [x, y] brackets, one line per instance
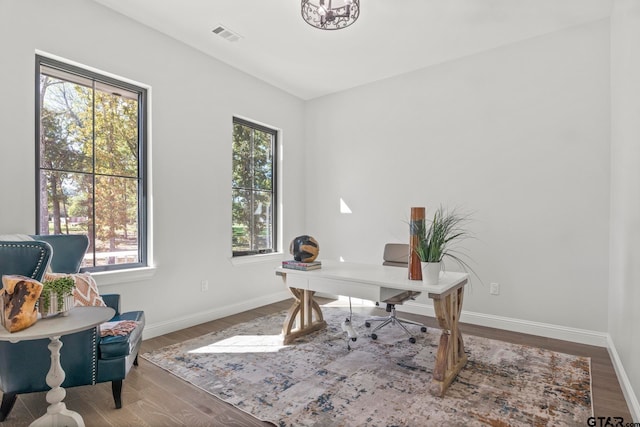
[106, 278]
[252, 259]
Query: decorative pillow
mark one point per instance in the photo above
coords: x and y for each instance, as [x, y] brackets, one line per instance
[86, 290]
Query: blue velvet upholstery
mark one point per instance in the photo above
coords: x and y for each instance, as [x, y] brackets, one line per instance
[85, 357]
[69, 250]
[27, 258]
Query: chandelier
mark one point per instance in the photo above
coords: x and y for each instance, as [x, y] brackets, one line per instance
[330, 14]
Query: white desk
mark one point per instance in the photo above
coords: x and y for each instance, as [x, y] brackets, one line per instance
[78, 319]
[379, 283]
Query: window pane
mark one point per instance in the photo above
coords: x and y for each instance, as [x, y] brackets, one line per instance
[116, 220]
[241, 227]
[262, 158]
[262, 221]
[116, 133]
[242, 167]
[68, 203]
[66, 125]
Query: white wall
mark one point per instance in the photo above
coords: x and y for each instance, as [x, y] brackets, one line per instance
[624, 295]
[518, 135]
[194, 99]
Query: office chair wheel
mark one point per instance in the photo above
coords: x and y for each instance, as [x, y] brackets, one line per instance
[374, 337]
[412, 340]
[423, 329]
[367, 324]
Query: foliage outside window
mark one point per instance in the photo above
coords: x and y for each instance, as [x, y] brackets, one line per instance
[90, 145]
[253, 189]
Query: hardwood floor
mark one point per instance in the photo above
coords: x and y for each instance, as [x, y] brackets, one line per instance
[152, 397]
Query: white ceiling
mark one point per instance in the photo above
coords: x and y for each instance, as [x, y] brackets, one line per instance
[391, 37]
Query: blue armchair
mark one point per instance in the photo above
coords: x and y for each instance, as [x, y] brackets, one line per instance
[86, 357]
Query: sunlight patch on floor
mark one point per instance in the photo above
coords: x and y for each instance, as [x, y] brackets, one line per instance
[244, 344]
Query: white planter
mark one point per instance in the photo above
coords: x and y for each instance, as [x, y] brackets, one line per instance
[67, 304]
[430, 273]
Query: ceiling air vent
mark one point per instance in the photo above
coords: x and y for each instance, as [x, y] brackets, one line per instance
[226, 34]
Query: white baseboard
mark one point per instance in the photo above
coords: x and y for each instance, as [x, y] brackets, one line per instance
[548, 330]
[156, 329]
[581, 336]
[623, 379]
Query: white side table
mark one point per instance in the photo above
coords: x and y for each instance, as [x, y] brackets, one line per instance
[78, 319]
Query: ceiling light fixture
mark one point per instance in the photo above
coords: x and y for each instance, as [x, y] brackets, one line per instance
[330, 14]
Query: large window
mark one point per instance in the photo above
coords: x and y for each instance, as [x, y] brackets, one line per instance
[90, 155]
[254, 189]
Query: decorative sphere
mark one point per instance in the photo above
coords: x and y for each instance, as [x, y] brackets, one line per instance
[304, 248]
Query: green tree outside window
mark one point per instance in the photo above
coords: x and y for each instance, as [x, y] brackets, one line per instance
[253, 189]
[90, 157]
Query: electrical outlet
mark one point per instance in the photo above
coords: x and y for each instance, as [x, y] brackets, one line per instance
[204, 285]
[494, 289]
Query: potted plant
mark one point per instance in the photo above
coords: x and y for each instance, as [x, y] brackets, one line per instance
[56, 296]
[438, 241]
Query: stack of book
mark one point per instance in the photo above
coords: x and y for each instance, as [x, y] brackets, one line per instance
[299, 265]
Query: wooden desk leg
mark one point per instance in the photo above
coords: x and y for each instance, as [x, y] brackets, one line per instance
[451, 357]
[300, 317]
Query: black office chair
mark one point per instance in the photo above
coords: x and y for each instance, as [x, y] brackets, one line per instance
[397, 255]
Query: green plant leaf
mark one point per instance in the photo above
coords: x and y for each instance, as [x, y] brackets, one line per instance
[61, 287]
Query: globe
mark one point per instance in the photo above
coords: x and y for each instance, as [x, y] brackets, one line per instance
[304, 248]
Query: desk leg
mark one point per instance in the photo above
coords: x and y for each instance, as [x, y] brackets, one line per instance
[57, 412]
[300, 318]
[451, 357]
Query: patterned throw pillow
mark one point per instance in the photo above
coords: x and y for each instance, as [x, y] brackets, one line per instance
[117, 328]
[86, 291]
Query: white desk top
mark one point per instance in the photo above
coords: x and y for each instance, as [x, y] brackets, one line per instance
[377, 275]
[78, 319]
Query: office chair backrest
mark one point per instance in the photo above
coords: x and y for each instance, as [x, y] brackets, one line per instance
[396, 254]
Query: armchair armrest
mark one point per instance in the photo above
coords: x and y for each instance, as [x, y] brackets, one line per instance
[113, 301]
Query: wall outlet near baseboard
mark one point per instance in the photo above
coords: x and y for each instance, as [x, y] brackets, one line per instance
[204, 285]
[494, 289]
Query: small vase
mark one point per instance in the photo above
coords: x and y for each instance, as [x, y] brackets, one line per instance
[53, 309]
[430, 273]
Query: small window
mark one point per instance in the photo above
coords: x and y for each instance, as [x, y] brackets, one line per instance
[90, 160]
[253, 189]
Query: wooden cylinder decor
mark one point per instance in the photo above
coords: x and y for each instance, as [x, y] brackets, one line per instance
[416, 232]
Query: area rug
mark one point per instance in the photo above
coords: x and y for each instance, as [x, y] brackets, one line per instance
[318, 381]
